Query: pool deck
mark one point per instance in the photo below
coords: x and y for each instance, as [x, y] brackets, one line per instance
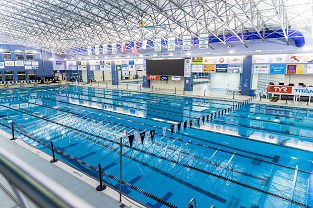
[73, 180]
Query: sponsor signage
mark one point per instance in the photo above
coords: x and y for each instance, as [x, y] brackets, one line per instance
[306, 91]
[277, 69]
[203, 41]
[297, 59]
[163, 78]
[153, 77]
[176, 78]
[157, 45]
[261, 69]
[118, 67]
[9, 63]
[278, 58]
[187, 67]
[58, 62]
[309, 69]
[280, 89]
[300, 69]
[209, 60]
[186, 43]
[1, 65]
[235, 68]
[291, 68]
[261, 59]
[197, 60]
[209, 68]
[221, 68]
[197, 68]
[171, 44]
[19, 63]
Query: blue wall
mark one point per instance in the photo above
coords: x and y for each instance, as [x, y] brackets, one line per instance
[45, 67]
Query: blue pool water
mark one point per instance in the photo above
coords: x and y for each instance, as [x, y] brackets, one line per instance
[257, 156]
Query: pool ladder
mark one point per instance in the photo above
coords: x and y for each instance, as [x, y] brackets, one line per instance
[192, 204]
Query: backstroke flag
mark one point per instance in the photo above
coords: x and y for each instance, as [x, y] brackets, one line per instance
[164, 131]
[152, 133]
[186, 43]
[142, 136]
[131, 140]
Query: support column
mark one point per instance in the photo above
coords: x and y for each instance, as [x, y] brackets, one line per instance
[246, 76]
[145, 82]
[188, 78]
[114, 74]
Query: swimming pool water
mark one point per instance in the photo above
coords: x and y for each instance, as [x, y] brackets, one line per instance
[256, 159]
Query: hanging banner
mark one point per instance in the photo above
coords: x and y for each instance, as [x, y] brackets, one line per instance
[144, 44]
[134, 48]
[197, 68]
[123, 48]
[234, 68]
[300, 69]
[186, 43]
[221, 68]
[209, 68]
[203, 41]
[291, 68]
[209, 60]
[261, 69]
[89, 51]
[105, 49]
[197, 60]
[97, 50]
[171, 44]
[1, 65]
[114, 48]
[278, 69]
[157, 45]
[187, 67]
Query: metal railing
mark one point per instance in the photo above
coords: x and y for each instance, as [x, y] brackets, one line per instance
[39, 189]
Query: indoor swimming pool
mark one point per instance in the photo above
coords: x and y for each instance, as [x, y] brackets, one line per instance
[256, 156]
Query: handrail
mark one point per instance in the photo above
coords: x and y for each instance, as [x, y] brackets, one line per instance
[36, 186]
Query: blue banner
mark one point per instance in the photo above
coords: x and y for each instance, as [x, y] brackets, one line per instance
[278, 69]
[221, 68]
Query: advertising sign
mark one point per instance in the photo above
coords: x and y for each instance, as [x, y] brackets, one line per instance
[221, 68]
[300, 69]
[163, 78]
[97, 50]
[68, 63]
[157, 45]
[278, 69]
[306, 91]
[171, 44]
[187, 68]
[176, 78]
[309, 69]
[9, 63]
[197, 68]
[144, 44]
[197, 60]
[114, 48]
[203, 41]
[261, 69]
[186, 43]
[235, 60]
[291, 68]
[209, 60]
[94, 62]
[222, 60]
[138, 61]
[118, 67]
[152, 77]
[297, 59]
[234, 68]
[131, 62]
[209, 68]
[58, 63]
[19, 63]
[105, 49]
[1, 65]
[279, 58]
[280, 89]
[261, 59]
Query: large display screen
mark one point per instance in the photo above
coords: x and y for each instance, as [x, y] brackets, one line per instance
[165, 67]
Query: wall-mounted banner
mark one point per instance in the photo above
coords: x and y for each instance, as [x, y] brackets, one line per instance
[209, 60]
[118, 62]
[203, 41]
[278, 69]
[57, 63]
[197, 68]
[186, 43]
[280, 89]
[187, 67]
[27, 63]
[300, 69]
[261, 59]
[9, 63]
[235, 60]
[118, 67]
[83, 63]
[94, 62]
[131, 68]
[97, 67]
[297, 58]
[138, 61]
[309, 70]
[234, 68]
[209, 68]
[89, 51]
[131, 62]
[163, 78]
[1, 65]
[124, 67]
[197, 60]
[114, 48]
[157, 45]
[124, 62]
[280, 58]
[105, 49]
[97, 50]
[221, 68]
[261, 68]
[82, 68]
[222, 60]
[171, 44]
[306, 91]
[107, 63]
[176, 78]
[36, 63]
[27, 67]
[153, 77]
[144, 44]
[19, 63]
[291, 68]
[68, 63]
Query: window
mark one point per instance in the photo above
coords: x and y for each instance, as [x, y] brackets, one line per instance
[29, 56]
[31, 75]
[19, 56]
[21, 75]
[6, 56]
[8, 76]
